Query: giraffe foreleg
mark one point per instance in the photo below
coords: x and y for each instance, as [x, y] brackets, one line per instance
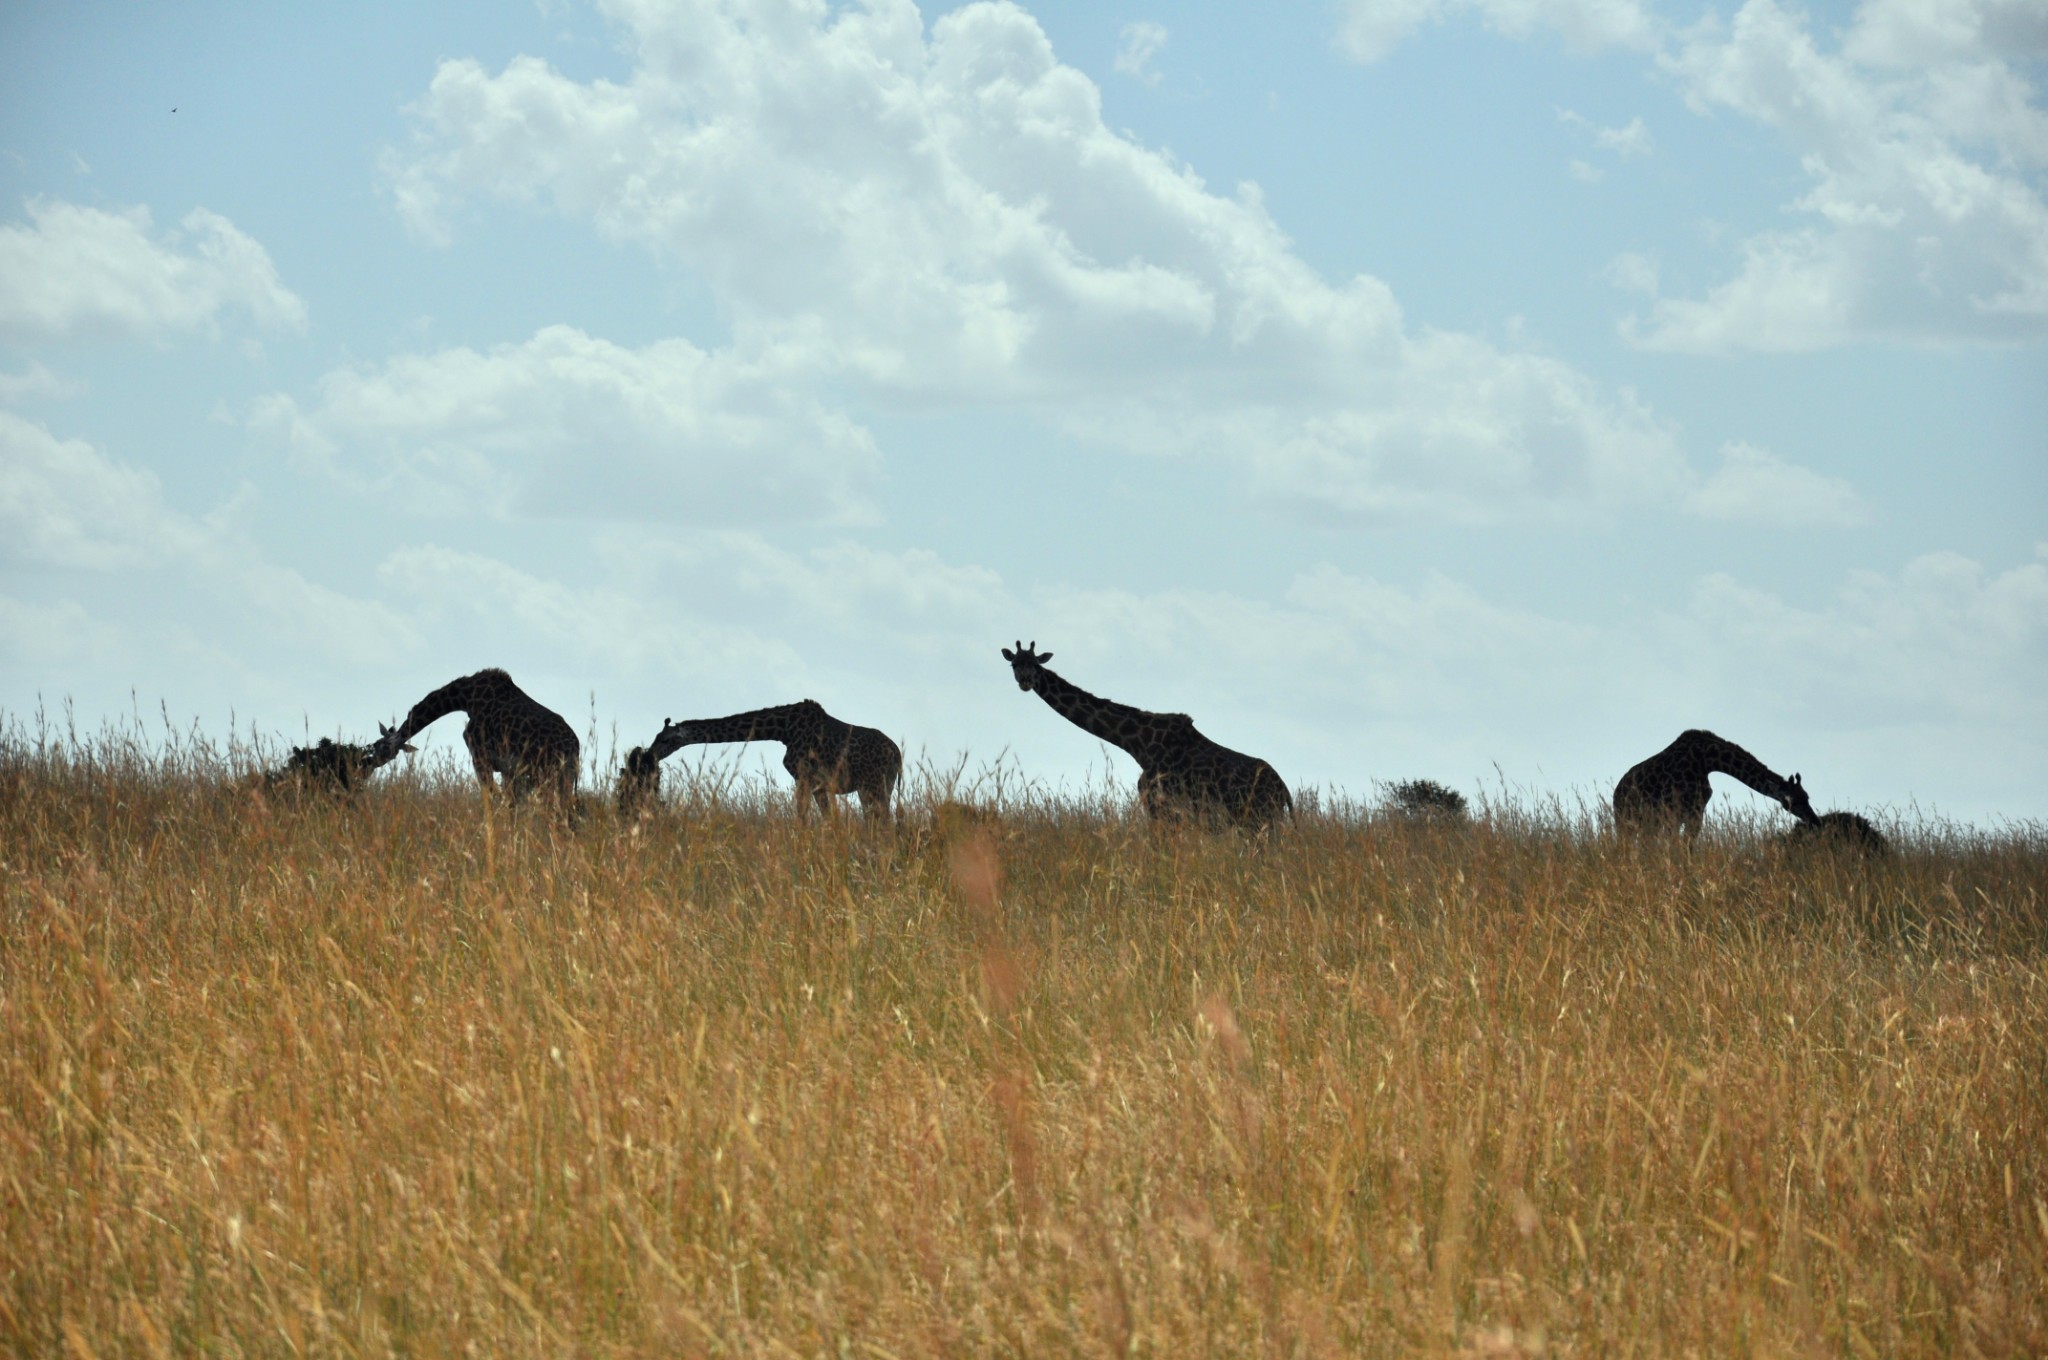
[480, 759]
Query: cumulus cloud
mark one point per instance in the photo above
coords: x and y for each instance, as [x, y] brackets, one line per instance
[65, 506]
[1922, 223]
[1920, 131]
[37, 380]
[1945, 642]
[1367, 30]
[1755, 486]
[1141, 43]
[1631, 139]
[74, 272]
[566, 424]
[922, 219]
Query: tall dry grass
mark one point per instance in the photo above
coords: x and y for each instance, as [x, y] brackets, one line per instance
[401, 1075]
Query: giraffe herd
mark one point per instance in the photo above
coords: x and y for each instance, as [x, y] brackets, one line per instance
[1182, 774]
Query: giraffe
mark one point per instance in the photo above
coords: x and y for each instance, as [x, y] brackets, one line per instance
[1180, 771]
[1841, 831]
[331, 766]
[639, 781]
[508, 733]
[825, 756]
[1670, 788]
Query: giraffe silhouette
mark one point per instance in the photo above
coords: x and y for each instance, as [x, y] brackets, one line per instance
[827, 757]
[639, 781]
[1180, 772]
[509, 733]
[329, 765]
[1670, 789]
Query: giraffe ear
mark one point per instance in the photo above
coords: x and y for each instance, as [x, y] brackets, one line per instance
[1009, 655]
[1796, 784]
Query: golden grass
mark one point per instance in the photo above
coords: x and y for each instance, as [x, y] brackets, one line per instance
[395, 1076]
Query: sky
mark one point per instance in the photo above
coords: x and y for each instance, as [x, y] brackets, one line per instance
[1474, 390]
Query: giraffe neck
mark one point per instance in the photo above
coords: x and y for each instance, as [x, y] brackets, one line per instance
[1122, 726]
[457, 696]
[1725, 757]
[760, 724]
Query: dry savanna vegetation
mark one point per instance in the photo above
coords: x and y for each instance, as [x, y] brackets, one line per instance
[407, 1074]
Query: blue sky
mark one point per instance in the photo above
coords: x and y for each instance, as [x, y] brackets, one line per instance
[1474, 389]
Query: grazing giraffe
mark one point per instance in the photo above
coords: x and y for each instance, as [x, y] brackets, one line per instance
[329, 765]
[825, 756]
[508, 733]
[1670, 788]
[1840, 831]
[1180, 771]
[639, 782]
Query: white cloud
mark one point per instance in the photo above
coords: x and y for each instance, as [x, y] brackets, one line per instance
[1631, 139]
[77, 272]
[45, 635]
[927, 219]
[1944, 642]
[1755, 486]
[1922, 227]
[1367, 30]
[566, 424]
[1922, 136]
[36, 380]
[1633, 272]
[1141, 43]
[66, 506]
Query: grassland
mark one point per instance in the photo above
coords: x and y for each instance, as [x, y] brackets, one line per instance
[399, 1075]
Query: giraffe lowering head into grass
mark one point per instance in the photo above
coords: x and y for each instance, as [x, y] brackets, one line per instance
[1181, 773]
[639, 781]
[828, 758]
[508, 733]
[1670, 789]
[329, 766]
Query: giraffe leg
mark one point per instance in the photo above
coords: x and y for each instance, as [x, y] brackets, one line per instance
[479, 759]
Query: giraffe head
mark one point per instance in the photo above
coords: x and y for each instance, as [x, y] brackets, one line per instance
[1797, 803]
[385, 749]
[639, 781]
[668, 741]
[1025, 663]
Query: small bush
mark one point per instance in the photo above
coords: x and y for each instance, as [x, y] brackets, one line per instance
[1426, 798]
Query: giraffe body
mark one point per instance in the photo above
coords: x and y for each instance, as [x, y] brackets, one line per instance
[1181, 773]
[639, 781]
[509, 733]
[328, 765]
[1670, 789]
[826, 757]
[1841, 831]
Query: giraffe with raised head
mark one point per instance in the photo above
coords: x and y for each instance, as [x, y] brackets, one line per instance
[1180, 771]
[509, 733]
[1670, 789]
[828, 758]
